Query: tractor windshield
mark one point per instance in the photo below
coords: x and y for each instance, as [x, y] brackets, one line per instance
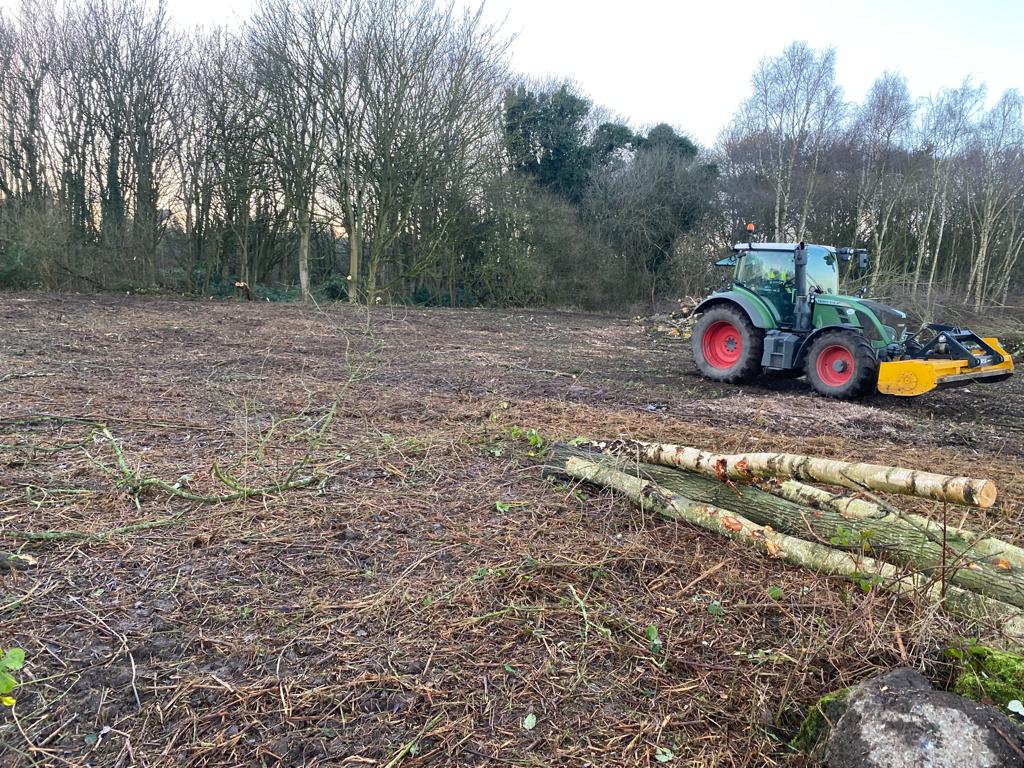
[774, 270]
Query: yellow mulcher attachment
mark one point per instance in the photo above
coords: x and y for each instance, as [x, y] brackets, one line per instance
[954, 356]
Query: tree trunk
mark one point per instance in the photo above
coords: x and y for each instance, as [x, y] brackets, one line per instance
[371, 274]
[243, 247]
[355, 258]
[938, 247]
[818, 557]
[858, 476]
[965, 543]
[303, 224]
[925, 233]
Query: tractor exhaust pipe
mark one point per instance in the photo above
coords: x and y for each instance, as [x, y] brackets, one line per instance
[801, 306]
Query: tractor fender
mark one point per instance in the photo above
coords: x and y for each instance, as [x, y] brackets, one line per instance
[739, 300]
[801, 353]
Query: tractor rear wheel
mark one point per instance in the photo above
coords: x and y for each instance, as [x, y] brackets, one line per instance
[842, 364]
[726, 345]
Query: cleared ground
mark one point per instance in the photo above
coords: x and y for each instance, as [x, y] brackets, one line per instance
[424, 592]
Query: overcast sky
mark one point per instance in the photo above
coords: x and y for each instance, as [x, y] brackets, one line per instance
[689, 63]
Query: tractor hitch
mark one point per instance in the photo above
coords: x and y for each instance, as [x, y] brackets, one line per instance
[951, 342]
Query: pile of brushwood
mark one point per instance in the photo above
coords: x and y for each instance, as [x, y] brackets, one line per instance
[676, 325]
[770, 501]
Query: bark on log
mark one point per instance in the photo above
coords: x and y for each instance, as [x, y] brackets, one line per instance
[817, 557]
[858, 476]
[884, 535]
[965, 543]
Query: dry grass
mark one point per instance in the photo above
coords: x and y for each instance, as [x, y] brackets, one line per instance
[427, 591]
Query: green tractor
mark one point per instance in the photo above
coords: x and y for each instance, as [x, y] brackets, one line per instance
[783, 314]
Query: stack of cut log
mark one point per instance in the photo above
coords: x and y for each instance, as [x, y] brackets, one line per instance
[769, 501]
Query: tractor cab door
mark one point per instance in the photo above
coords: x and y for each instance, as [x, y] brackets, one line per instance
[770, 274]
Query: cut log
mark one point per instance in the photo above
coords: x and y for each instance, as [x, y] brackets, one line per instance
[996, 552]
[858, 476]
[851, 524]
[884, 534]
[649, 494]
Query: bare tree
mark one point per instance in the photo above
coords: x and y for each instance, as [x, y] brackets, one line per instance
[881, 132]
[998, 165]
[346, 180]
[413, 96]
[26, 61]
[227, 92]
[283, 39]
[794, 107]
[195, 132]
[946, 126]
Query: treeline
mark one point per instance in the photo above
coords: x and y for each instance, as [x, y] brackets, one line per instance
[934, 187]
[381, 150]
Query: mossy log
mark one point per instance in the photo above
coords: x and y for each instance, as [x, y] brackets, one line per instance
[854, 566]
[857, 526]
[858, 476]
[885, 535]
[965, 543]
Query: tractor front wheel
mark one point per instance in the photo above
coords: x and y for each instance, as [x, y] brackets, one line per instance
[842, 364]
[726, 345]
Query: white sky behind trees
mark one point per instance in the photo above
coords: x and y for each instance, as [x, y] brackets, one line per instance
[688, 62]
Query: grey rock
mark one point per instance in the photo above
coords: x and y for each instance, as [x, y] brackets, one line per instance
[897, 720]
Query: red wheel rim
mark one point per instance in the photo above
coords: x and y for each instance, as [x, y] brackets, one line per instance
[722, 344]
[835, 365]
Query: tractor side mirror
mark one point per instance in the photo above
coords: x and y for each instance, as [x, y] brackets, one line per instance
[863, 260]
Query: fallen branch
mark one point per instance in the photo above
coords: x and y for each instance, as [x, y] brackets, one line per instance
[83, 536]
[136, 485]
[8, 376]
[406, 748]
[745, 466]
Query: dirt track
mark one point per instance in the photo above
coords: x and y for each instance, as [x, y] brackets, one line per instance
[427, 588]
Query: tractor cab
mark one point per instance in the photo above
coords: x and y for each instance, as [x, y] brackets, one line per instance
[768, 270]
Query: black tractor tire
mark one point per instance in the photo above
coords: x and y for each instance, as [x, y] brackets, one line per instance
[842, 364]
[727, 347]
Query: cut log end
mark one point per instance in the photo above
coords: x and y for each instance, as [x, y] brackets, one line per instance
[985, 493]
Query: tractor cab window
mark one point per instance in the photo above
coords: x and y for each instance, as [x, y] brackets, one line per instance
[775, 269]
[770, 275]
[766, 269]
[822, 270]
